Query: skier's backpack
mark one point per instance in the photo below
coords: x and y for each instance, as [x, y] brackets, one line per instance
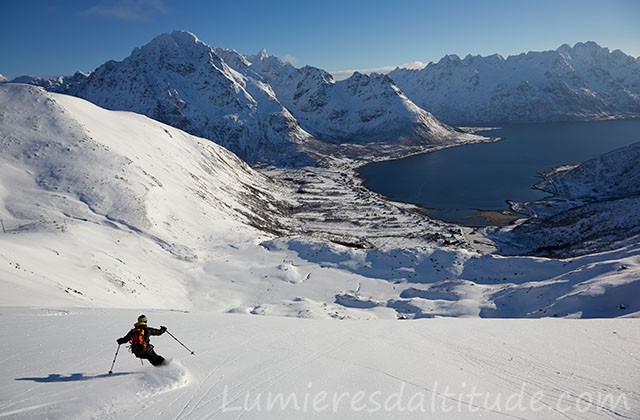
[137, 342]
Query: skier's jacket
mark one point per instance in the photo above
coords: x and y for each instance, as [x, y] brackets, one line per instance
[139, 337]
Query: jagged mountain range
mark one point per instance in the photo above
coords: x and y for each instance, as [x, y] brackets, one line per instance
[259, 107]
[361, 108]
[182, 82]
[585, 81]
[268, 111]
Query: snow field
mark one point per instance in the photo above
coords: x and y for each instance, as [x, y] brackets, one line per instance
[112, 209]
[286, 368]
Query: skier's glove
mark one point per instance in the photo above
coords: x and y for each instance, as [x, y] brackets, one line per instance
[121, 341]
[163, 329]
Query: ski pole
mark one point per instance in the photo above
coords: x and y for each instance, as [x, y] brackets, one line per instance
[180, 342]
[114, 360]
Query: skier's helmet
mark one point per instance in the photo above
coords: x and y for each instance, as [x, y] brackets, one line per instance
[142, 318]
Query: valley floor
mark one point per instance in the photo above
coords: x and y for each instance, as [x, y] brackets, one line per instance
[334, 205]
[55, 364]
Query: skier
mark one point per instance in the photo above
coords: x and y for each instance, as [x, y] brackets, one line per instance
[139, 339]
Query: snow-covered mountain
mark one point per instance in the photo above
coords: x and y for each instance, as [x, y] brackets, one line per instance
[585, 81]
[112, 209]
[119, 201]
[266, 110]
[237, 101]
[181, 81]
[106, 214]
[360, 109]
[594, 206]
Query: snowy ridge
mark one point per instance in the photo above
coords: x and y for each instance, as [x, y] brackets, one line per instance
[179, 80]
[82, 176]
[613, 175]
[594, 206]
[361, 108]
[237, 101]
[585, 81]
[104, 210]
[112, 209]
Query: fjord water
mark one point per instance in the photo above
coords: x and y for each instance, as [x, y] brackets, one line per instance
[461, 184]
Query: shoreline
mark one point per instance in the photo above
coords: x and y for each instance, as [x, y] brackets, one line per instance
[495, 218]
[333, 204]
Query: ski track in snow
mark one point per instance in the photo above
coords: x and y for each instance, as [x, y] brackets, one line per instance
[239, 361]
[228, 359]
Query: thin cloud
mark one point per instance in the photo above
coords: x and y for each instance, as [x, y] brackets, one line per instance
[289, 58]
[128, 10]
[344, 74]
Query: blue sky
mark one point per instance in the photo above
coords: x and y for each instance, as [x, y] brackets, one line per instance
[61, 37]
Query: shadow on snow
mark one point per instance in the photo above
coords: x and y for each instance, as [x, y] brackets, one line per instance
[74, 377]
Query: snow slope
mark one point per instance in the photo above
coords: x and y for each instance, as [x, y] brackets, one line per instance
[105, 210]
[92, 188]
[112, 209]
[593, 206]
[282, 368]
[585, 81]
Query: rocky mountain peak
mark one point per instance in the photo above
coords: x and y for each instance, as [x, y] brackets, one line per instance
[260, 107]
[584, 81]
